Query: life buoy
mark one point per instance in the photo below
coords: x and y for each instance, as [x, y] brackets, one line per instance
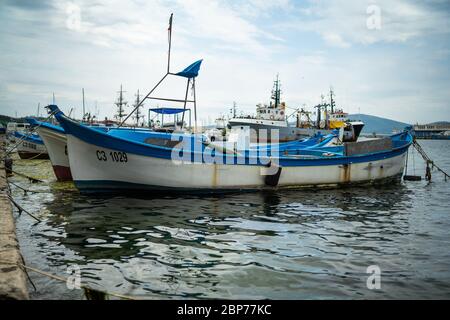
[322, 124]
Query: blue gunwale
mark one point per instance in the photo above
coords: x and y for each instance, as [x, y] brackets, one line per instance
[36, 123]
[401, 142]
[33, 138]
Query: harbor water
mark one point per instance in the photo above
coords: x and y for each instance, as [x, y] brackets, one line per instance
[290, 244]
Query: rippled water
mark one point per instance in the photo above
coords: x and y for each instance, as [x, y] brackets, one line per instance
[281, 245]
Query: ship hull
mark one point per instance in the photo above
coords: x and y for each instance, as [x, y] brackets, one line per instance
[56, 143]
[24, 155]
[149, 173]
[105, 163]
[30, 148]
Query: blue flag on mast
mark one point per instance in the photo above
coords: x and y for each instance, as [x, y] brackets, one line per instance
[191, 71]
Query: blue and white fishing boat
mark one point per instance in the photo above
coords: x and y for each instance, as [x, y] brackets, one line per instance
[101, 162]
[55, 140]
[30, 146]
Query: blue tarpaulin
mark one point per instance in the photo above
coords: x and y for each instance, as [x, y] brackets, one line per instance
[168, 110]
[191, 71]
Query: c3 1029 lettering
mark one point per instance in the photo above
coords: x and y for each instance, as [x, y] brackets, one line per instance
[114, 156]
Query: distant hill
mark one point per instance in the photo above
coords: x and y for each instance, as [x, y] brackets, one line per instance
[378, 124]
[5, 119]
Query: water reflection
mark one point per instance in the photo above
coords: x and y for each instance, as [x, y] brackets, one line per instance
[196, 243]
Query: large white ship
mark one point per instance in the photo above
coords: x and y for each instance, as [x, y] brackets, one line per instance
[273, 117]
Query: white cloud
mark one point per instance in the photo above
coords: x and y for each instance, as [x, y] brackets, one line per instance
[244, 45]
[335, 39]
[343, 22]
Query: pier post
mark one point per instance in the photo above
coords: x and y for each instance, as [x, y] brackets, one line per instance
[13, 285]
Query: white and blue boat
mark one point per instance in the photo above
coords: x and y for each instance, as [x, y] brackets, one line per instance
[131, 161]
[30, 146]
[55, 140]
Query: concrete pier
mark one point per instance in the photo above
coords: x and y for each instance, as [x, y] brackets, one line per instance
[13, 281]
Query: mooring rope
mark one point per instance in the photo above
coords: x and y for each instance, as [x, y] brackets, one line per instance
[34, 157]
[428, 161]
[89, 292]
[32, 180]
[26, 190]
[21, 209]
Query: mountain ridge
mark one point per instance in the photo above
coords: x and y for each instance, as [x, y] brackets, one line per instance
[376, 124]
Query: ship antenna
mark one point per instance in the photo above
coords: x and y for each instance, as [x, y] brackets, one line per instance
[332, 103]
[170, 42]
[276, 92]
[84, 112]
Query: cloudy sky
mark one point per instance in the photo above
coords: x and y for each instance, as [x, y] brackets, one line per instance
[382, 57]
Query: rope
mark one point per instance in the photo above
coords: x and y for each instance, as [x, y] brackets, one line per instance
[32, 180]
[34, 157]
[428, 160]
[21, 209]
[89, 292]
[407, 157]
[26, 190]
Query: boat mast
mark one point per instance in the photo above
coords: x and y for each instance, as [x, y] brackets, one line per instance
[84, 110]
[319, 110]
[138, 106]
[276, 93]
[189, 79]
[170, 42]
[332, 102]
[121, 104]
[322, 106]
